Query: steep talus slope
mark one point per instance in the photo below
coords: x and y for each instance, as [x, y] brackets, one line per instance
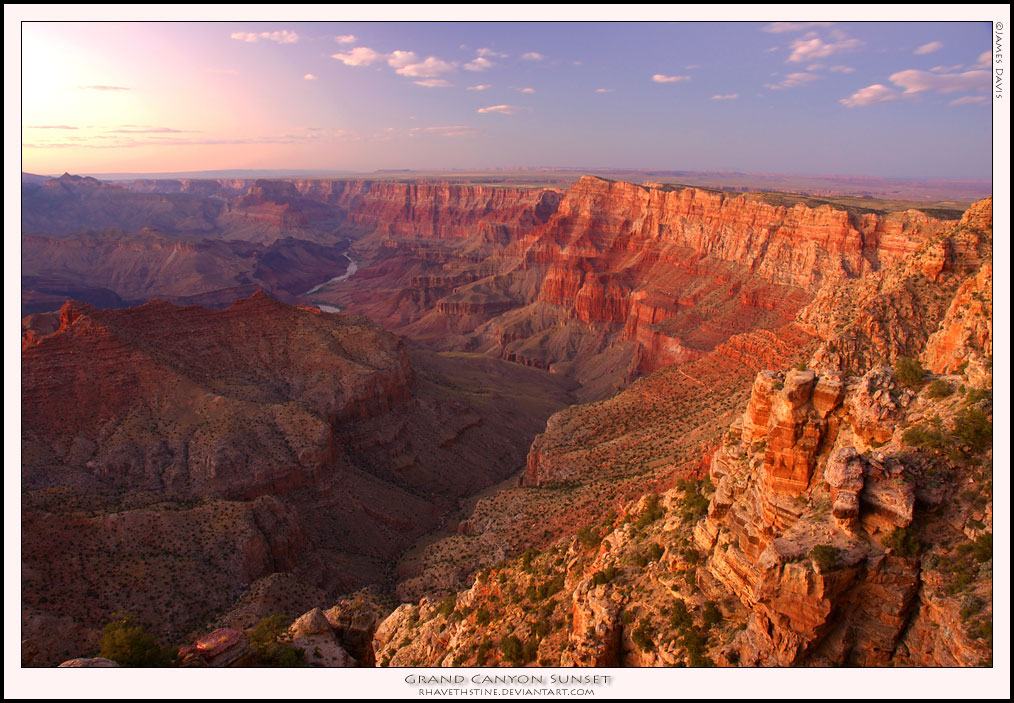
[844, 518]
[173, 457]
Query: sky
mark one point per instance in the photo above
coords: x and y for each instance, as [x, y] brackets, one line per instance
[905, 100]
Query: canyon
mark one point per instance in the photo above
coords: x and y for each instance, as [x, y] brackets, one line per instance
[622, 424]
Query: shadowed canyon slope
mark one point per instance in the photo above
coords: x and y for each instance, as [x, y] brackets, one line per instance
[177, 455]
[200, 466]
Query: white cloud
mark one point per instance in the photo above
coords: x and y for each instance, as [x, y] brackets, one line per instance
[479, 87]
[434, 83]
[282, 36]
[360, 56]
[985, 60]
[780, 27]
[728, 96]
[532, 56]
[309, 77]
[603, 90]
[914, 81]
[480, 63]
[792, 80]
[400, 59]
[929, 48]
[501, 109]
[527, 90]
[870, 95]
[948, 69]
[405, 63]
[345, 38]
[662, 78]
[809, 48]
[971, 100]
[430, 68]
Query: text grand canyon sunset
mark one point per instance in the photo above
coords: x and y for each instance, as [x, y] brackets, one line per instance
[442, 345]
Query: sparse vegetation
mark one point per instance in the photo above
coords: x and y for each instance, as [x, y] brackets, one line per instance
[825, 556]
[909, 372]
[265, 640]
[127, 643]
[902, 542]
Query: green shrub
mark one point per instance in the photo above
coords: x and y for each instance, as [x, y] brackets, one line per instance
[939, 389]
[976, 395]
[924, 437]
[644, 635]
[589, 537]
[711, 615]
[982, 549]
[973, 428]
[512, 650]
[482, 616]
[902, 542]
[679, 615]
[446, 606]
[604, 576]
[271, 652]
[909, 372]
[825, 556]
[128, 644]
[482, 651]
[652, 511]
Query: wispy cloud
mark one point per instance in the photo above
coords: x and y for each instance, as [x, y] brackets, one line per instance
[603, 90]
[446, 131]
[282, 36]
[929, 48]
[135, 129]
[50, 126]
[842, 69]
[870, 95]
[810, 46]
[662, 78]
[984, 61]
[481, 86]
[532, 56]
[309, 77]
[345, 38]
[971, 100]
[782, 27]
[434, 83]
[102, 87]
[502, 109]
[490, 52]
[727, 96]
[914, 81]
[528, 91]
[793, 80]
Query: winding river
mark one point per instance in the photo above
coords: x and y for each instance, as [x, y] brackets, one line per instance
[349, 272]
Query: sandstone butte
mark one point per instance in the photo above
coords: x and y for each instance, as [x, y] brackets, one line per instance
[713, 505]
